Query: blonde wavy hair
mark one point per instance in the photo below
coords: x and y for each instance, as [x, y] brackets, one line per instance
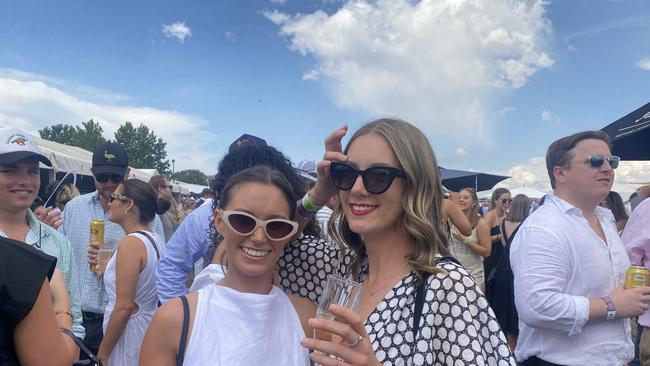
[421, 206]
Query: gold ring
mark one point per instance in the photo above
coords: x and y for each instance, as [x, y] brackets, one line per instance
[359, 338]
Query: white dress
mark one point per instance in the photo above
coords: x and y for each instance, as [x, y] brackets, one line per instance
[127, 349]
[234, 328]
[472, 262]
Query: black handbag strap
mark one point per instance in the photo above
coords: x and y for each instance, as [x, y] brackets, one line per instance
[94, 360]
[153, 243]
[186, 325]
[419, 303]
[421, 294]
[508, 240]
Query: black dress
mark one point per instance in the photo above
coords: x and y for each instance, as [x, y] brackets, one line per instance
[22, 272]
[499, 290]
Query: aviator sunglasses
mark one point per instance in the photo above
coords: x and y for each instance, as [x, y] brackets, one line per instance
[244, 224]
[376, 180]
[596, 161]
[103, 178]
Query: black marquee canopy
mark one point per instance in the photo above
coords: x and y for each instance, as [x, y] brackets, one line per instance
[630, 135]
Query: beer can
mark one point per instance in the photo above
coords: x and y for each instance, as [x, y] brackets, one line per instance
[636, 276]
[96, 238]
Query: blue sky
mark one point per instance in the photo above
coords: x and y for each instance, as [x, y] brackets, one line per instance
[492, 83]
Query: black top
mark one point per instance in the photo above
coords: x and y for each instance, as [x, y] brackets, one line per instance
[500, 291]
[22, 272]
[457, 325]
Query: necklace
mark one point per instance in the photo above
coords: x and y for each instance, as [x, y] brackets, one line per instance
[390, 280]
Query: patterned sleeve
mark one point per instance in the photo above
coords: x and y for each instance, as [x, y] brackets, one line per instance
[463, 327]
[305, 264]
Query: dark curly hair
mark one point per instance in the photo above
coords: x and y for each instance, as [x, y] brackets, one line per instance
[246, 157]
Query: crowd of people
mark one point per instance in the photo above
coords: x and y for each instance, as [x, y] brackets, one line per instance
[233, 277]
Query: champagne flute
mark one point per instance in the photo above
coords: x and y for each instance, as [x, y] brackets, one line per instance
[340, 291]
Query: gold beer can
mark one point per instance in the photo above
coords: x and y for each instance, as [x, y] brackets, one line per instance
[96, 237]
[636, 276]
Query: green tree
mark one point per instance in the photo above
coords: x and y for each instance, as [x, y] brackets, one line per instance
[90, 136]
[192, 176]
[145, 149]
[87, 136]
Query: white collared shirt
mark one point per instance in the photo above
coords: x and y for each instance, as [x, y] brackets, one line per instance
[559, 262]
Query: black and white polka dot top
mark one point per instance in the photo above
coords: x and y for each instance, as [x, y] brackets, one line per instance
[457, 326]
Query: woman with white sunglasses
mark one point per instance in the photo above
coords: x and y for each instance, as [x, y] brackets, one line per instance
[243, 319]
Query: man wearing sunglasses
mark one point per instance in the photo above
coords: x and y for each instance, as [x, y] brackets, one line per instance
[569, 264]
[110, 166]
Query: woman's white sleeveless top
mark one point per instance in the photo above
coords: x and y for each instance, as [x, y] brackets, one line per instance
[235, 328]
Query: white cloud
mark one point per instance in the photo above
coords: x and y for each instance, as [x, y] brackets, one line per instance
[276, 17]
[177, 30]
[549, 117]
[505, 110]
[279, 2]
[311, 75]
[533, 174]
[440, 64]
[32, 101]
[644, 64]
[460, 151]
[229, 36]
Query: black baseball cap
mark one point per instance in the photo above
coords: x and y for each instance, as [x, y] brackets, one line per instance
[246, 140]
[110, 158]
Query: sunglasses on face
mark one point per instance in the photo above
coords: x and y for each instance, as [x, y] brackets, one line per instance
[245, 224]
[506, 200]
[103, 178]
[376, 180]
[596, 161]
[117, 197]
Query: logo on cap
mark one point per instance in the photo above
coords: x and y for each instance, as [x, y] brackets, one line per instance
[109, 157]
[18, 140]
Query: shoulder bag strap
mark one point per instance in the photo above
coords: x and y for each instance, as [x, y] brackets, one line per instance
[186, 324]
[153, 243]
[502, 229]
[419, 304]
[93, 358]
[421, 294]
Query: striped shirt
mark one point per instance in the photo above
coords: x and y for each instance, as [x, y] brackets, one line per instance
[51, 242]
[78, 214]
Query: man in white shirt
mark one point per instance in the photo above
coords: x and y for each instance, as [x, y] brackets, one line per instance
[569, 265]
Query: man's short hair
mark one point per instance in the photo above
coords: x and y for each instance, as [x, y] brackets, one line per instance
[158, 180]
[558, 152]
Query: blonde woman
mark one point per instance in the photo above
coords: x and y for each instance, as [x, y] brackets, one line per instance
[416, 307]
[470, 250]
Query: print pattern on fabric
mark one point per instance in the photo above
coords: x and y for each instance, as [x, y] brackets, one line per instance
[457, 326]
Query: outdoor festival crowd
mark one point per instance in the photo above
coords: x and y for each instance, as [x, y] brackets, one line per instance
[235, 279]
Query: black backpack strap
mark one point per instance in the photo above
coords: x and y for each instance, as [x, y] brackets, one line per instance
[186, 325]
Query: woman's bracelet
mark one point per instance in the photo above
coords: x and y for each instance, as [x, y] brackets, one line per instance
[64, 312]
[309, 205]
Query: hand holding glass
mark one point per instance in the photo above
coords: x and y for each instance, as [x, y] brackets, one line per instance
[338, 291]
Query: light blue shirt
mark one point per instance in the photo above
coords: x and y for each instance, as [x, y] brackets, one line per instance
[78, 214]
[51, 242]
[186, 246]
